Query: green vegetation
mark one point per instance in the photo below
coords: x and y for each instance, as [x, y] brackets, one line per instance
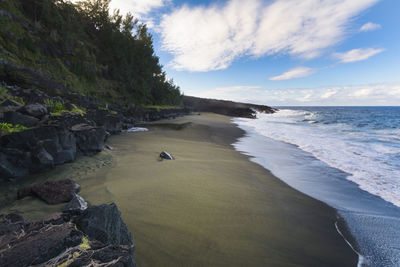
[74, 256]
[7, 128]
[85, 243]
[4, 95]
[84, 48]
[57, 108]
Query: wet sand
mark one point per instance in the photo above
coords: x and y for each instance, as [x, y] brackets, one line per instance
[210, 206]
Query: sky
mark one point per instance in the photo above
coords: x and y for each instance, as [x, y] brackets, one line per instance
[278, 52]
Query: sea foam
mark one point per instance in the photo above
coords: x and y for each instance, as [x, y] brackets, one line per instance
[363, 142]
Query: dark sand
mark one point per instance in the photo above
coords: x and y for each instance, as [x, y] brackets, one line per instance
[211, 206]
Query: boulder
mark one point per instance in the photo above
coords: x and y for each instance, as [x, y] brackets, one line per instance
[111, 123]
[35, 150]
[89, 139]
[165, 155]
[35, 110]
[52, 192]
[106, 256]
[104, 224]
[14, 118]
[77, 203]
[57, 241]
[43, 160]
[14, 163]
[31, 246]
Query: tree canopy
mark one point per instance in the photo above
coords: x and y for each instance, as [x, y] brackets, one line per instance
[100, 48]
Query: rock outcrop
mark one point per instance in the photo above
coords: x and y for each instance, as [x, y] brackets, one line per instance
[59, 241]
[57, 139]
[229, 108]
[52, 192]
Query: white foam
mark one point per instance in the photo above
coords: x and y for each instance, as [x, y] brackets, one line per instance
[367, 163]
[137, 129]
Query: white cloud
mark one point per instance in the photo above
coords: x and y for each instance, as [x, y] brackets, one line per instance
[138, 8]
[211, 37]
[370, 26]
[365, 95]
[298, 72]
[357, 54]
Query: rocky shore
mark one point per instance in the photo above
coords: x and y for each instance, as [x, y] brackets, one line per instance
[96, 236]
[48, 138]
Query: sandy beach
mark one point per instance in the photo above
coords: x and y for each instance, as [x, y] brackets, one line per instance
[210, 206]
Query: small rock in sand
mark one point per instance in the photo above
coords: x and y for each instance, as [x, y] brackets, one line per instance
[165, 155]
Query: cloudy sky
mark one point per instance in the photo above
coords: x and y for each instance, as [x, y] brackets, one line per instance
[278, 52]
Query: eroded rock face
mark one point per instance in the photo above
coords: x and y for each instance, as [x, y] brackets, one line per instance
[35, 110]
[52, 192]
[57, 240]
[35, 150]
[15, 118]
[38, 246]
[89, 139]
[104, 223]
[77, 203]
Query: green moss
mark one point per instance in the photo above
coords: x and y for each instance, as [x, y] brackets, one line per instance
[69, 261]
[8, 128]
[85, 243]
[77, 110]
[57, 108]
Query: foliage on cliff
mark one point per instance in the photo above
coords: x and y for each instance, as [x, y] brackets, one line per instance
[83, 48]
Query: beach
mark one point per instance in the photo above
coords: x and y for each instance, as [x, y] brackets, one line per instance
[210, 206]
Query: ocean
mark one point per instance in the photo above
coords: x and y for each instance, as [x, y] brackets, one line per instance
[347, 157]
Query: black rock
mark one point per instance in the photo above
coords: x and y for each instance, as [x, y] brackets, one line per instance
[35, 110]
[104, 224]
[166, 155]
[89, 139]
[35, 150]
[52, 192]
[14, 117]
[109, 147]
[56, 241]
[37, 243]
[77, 203]
[106, 256]
[14, 163]
[43, 159]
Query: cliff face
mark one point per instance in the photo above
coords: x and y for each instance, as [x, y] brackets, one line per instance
[223, 107]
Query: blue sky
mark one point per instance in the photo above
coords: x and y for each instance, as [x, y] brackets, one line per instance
[278, 52]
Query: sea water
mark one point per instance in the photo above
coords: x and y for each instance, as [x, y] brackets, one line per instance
[347, 157]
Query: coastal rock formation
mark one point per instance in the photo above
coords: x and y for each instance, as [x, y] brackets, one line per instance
[59, 241]
[52, 192]
[224, 107]
[77, 203]
[89, 139]
[15, 118]
[35, 110]
[104, 223]
[35, 150]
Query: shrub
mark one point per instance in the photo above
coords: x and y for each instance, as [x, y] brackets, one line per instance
[8, 128]
[55, 106]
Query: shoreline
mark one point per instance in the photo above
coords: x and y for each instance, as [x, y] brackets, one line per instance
[230, 212]
[278, 224]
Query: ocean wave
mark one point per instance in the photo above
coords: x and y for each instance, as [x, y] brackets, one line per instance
[368, 153]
